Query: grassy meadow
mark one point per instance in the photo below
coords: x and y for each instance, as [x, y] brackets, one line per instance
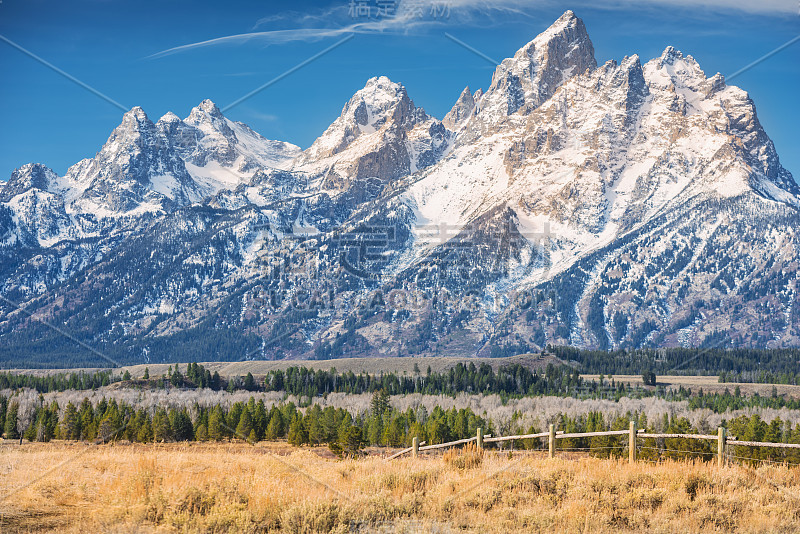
[271, 487]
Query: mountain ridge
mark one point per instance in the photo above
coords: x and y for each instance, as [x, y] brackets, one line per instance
[604, 206]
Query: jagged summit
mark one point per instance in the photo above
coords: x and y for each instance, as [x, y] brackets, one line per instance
[380, 133]
[136, 112]
[209, 106]
[532, 75]
[674, 69]
[220, 153]
[380, 101]
[568, 28]
[382, 83]
[679, 68]
[670, 54]
[169, 118]
[145, 167]
[27, 177]
[461, 110]
[206, 111]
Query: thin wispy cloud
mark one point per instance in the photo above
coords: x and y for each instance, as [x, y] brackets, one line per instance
[266, 117]
[403, 17]
[766, 7]
[306, 18]
[410, 16]
[265, 38]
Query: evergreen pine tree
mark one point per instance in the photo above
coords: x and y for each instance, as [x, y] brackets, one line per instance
[380, 402]
[162, 430]
[11, 430]
[181, 423]
[316, 434]
[249, 382]
[87, 420]
[106, 430]
[260, 420]
[216, 422]
[145, 432]
[245, 425]
[297, 434]
[69, 427]
[3, 410]
[275, 426]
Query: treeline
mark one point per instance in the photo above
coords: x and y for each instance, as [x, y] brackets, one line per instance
[197, 376]
[346, 434]
[722, 402]
[513, 379]
[510, 381]
[58, 382]
[194, 376]
[761, 377]
[751, 365]
[250, 421]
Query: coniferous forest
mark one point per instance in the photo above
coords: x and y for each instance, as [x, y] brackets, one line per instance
[347, 431]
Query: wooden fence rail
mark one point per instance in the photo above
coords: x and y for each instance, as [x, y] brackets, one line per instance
[592, 434]
[405, 451]
[763, 444]
[448, 444]
[511, 438]
[678, 436]
[721, 437]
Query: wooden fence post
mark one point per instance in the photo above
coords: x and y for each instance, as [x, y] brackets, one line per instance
[480, 439]
[552, 441]
[415, 447]
[721, 437]
[632, 443]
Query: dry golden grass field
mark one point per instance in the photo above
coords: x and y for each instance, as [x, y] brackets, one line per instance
[270, 487]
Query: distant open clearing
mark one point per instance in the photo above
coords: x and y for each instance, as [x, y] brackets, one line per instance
[398, 365]
[709, 384]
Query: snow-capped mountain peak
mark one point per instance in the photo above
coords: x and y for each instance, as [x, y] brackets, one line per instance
[379, 104]
[222, 154]
[208, 118]
[136, 113]
[168, 118]
[145, 167]
[460, 111]
[380, 133]
[27, 177]
[536, 70]
[681, 72]
[137, 170]
[382, 100]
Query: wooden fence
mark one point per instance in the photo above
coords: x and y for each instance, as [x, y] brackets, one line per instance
[721, 437]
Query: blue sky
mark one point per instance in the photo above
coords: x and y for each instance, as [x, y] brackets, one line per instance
[127, 51]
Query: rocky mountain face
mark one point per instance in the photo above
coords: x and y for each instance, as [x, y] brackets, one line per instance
[379, 134]
[462, 110]
[612, 206]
